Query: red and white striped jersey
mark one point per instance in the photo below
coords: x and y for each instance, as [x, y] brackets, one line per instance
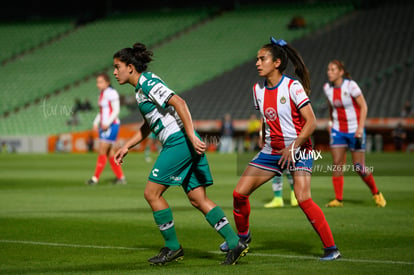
[105, 103]
[345, 110]
[279, 107]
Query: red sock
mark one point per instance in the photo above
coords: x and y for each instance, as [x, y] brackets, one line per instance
[100, 165]
[241, 212]
[316, 217]
[370, 182]
[116, 168]
[338, 184]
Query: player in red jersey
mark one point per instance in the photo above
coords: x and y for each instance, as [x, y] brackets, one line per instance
[288, 122]
[107, 124]
[348, 112]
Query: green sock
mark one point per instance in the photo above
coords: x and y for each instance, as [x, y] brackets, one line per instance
[277, 186]
[164, 220]
[218, 220]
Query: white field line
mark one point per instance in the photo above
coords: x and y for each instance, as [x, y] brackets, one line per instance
[72, 245]
[213, 252]
[316, 258]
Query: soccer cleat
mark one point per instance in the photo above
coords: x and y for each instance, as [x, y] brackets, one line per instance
[380, 200]
[167, 255]
[275, 202]
[236, 253]
[224, 247]
[335, 203]
[92, 181]
[119, 181]
[331, 254]
[293, 200]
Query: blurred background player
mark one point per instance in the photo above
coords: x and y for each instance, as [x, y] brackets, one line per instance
[152, 144]
[348, 112]
[289, 122]
[181, 162]
[107, 124]
[253, 133]
[226, 135]
[277, 187]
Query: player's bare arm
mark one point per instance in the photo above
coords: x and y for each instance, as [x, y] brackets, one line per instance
[307, 130]
[182, 110]
[142, 133]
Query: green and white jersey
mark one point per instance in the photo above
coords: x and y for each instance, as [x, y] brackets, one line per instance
[152, 96]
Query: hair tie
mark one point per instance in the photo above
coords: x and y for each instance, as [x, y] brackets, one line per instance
[279, 42]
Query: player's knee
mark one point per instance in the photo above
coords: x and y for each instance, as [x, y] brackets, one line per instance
[360, 169]
[195, 203]
[150, 196]
[302, 195]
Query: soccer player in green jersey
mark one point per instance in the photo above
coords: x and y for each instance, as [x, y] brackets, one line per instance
[181, 162]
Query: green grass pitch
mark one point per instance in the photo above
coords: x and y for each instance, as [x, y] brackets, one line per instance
[51, 222]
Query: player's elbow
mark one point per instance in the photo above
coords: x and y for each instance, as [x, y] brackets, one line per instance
[311, 125]
[177, 101]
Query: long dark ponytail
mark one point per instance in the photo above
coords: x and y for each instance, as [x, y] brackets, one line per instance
[138, 55]
[285, 52]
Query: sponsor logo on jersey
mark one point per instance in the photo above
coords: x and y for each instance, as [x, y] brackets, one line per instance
[299, 91]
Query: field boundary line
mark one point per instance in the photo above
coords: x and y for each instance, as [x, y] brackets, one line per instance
[317, 258]
[213, 252]
[72, 245]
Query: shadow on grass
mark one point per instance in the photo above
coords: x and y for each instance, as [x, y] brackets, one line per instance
[289, 247]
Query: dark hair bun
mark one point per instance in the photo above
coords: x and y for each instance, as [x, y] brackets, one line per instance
[142, 55]
[139, 47]
[138, 55]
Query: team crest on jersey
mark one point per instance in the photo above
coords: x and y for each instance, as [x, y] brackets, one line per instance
[140, 97]
[345, 93]
[337, 103]
[282, 100]
[270, 114]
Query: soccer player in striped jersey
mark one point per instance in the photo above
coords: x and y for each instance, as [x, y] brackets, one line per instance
[107, 124]
[182, 161]
[289, 122]
[348, 112]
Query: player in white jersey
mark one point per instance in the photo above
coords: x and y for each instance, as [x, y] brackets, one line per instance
[348, 112]
[107, 124]
[182, 161]
[288, 123]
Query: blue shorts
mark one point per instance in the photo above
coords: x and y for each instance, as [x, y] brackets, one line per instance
[110, 134]
[340, 139]
[269, 162]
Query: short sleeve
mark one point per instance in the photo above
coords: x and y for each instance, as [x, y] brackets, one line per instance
[112, 95]
[326, 87]
[298, 94]
[255, 102]
[157, 91]
[354, 89]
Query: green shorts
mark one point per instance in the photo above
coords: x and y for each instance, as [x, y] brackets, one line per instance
[179, 164]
